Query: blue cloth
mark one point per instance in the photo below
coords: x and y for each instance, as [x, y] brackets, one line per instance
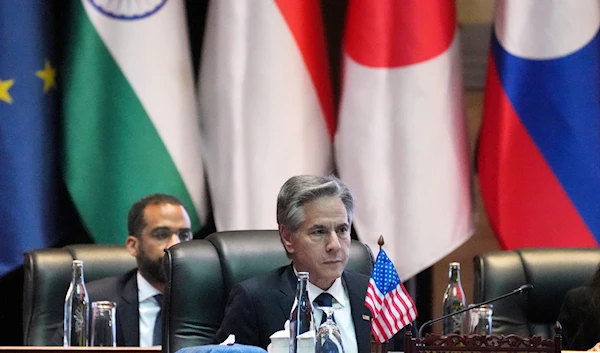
[28, 96]
[214, 348]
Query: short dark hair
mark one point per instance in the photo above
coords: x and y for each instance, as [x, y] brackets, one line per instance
[301, 189]
[135, 219]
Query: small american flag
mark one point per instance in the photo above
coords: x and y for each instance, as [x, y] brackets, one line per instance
[388, 300]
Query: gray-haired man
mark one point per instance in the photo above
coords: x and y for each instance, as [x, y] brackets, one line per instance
[314, 215]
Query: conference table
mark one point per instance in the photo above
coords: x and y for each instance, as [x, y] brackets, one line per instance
[35, 349]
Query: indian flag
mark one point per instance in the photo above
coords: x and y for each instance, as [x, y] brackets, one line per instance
[130, 114]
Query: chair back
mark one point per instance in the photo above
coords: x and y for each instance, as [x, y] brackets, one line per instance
[249, 253]
[47, 275]
[194, 297]
[552, 272]
[201, 274]
[101, 261]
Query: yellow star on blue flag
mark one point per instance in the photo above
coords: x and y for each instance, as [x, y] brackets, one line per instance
[4, 87]
[28, 115]
[48, 75]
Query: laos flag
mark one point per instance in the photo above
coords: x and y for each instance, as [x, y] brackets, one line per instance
[539, 151]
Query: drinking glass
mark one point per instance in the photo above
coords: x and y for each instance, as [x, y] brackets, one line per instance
[329, 338]
[104, 324]
[479, 320]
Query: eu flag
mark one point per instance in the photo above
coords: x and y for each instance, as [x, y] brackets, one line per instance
[28, 94]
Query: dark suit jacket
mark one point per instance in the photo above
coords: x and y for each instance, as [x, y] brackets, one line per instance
[122, 290]
[258, 307]
[580, 319]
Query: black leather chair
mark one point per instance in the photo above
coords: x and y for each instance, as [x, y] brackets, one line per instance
[262, 249]
[553, 272]
[47, 277]
[45, 273]
[195, 297]
[101, 261]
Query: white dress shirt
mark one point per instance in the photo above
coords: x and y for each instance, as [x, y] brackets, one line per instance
[343, 315]
[148, 308]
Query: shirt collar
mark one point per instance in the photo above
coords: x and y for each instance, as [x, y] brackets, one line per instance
[336, 290]
[145, 289]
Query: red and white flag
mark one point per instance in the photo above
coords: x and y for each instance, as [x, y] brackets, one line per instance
[266, 108]
[401, 143]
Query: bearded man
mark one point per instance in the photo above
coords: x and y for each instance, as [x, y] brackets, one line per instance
[154, 223]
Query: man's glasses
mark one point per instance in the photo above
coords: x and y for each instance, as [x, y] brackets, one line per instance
[163, 234]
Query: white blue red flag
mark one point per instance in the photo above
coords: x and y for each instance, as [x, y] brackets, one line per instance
[388, 300]
[539, 151]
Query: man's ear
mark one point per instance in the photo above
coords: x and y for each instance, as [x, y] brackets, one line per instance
[286, 238]
[131, 244]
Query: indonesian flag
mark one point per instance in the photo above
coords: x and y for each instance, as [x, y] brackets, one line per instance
[265, 105]
[401, 144]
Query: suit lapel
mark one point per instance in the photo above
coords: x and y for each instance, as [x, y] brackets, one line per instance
[357, 289]
[287, 286]
[128, 315]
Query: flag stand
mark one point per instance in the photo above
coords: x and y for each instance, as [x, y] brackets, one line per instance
[379, 347]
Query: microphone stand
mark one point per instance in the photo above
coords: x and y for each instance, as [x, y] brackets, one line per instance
[524, 288]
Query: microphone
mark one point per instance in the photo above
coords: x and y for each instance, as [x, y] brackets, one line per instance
[522, 289]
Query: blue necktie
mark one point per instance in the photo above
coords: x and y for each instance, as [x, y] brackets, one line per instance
[324, 299]
[157, 334]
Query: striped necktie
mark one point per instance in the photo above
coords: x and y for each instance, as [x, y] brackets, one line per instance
[324, 299]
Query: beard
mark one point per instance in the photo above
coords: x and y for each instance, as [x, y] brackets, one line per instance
[151, 269]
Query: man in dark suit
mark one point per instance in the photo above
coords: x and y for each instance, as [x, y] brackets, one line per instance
[580, 316]
[314, 216]
[154, 223]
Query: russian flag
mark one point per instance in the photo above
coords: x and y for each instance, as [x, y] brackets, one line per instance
[539, 151]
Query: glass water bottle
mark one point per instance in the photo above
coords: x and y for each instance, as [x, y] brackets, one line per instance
[77, 309]
[301, 318]
[454, 300]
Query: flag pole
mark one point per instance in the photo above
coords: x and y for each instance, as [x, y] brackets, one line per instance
[377, 347]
